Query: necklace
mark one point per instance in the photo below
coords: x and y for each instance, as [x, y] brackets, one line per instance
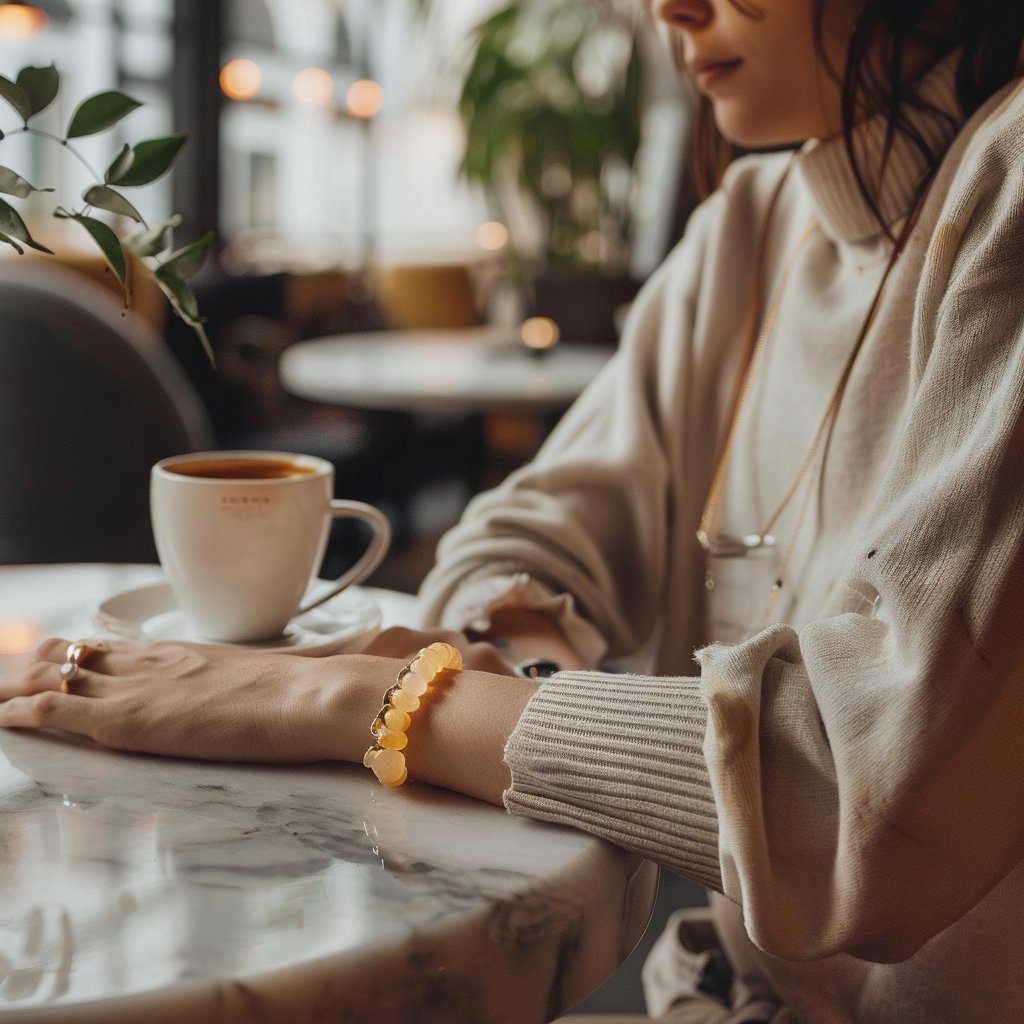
[716, 543]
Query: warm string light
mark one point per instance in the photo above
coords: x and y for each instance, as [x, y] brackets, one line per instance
[364, 99]
[20, 22]
[241, 79]
[314, 87]
[492, 236]
[540, 333]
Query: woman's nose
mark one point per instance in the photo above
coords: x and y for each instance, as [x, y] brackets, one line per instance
[685, 14]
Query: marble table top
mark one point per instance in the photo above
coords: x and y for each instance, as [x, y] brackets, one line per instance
[137, 888]
[467, 370]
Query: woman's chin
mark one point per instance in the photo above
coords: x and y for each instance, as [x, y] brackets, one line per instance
[764, 131]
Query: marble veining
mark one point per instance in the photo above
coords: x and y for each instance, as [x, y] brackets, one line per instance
[125, 877]
[140, 890]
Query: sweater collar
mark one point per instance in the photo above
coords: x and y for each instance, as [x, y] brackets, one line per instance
[842, 210]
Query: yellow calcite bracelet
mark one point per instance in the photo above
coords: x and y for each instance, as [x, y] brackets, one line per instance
[385, 758]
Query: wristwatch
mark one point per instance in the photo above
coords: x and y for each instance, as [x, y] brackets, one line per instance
[536, 668]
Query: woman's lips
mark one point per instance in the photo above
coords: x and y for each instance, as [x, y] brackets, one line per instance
[709, 73]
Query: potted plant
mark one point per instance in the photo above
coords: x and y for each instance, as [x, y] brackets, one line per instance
[551, 104]
[31, 92]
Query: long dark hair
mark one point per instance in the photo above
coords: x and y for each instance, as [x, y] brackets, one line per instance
[989, 34]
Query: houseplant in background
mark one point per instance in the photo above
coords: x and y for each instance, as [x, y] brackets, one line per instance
[30, 93]
[551, 104]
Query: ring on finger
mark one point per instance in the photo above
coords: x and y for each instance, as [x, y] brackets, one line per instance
[74, 658]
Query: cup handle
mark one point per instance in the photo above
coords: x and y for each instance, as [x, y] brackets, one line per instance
[370, 558]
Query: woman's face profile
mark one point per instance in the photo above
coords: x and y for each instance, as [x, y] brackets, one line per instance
[760, 65]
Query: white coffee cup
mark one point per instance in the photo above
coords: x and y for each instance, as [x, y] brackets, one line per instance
[241, 534]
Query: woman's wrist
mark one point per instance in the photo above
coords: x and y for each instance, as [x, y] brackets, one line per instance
[456, 739]
[525, 634]
[351, 686]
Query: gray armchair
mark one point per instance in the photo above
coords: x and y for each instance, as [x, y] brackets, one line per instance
[89, 400]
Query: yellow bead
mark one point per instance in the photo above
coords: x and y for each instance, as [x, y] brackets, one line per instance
[396, 719]
[370, 756]
[404, 700]
[428, 663]
[394, 783]
[451, 657]
[392, 740]
[388, 766]
[414, 683]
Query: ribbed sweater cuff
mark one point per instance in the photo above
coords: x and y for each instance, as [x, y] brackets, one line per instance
[622, 757]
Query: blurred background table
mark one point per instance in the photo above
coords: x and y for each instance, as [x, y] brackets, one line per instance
[483, 370]
[137, 888]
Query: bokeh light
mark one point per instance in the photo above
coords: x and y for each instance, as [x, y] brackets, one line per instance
[492, 236]
[364, 99]
[240, 79]
[314, 87]
[21, 22]
[19, 636]
[539, 333]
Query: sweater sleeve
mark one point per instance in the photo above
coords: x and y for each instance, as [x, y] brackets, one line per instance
[867, 771]
[588, 517]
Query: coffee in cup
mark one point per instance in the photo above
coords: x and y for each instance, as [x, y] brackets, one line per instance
[241, 535]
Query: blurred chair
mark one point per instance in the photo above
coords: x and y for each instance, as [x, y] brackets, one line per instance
[89, 400]
[427, 294]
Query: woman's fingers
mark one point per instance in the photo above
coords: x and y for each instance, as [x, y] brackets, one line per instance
[52, 710]
[42, 672]
[34, 677]
[54, 650]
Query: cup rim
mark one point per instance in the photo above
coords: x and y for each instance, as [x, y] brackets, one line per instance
[321, 466]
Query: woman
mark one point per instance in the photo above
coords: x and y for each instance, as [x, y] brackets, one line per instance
[806, 453]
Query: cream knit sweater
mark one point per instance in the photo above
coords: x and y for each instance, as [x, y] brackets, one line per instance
[851, 775]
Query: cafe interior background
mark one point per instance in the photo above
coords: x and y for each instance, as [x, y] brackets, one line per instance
[326, 154]
[328, 147]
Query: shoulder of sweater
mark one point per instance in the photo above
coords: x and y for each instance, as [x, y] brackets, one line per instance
[755, 175]
[745, 191]
[987, 156]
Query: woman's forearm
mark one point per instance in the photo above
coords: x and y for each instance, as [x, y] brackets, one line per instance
[457, 736]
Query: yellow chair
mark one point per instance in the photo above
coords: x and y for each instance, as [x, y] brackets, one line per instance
[428, 295]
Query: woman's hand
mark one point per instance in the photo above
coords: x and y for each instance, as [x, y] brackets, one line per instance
[194, 700]
[406, 643]
[226, 704]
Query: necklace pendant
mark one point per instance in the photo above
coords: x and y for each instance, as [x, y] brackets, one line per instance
[722, 545]
[758, 540]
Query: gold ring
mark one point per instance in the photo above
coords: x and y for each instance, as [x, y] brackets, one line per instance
[74, 657]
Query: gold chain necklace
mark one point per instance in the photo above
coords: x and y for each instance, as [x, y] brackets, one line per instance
[718, 544]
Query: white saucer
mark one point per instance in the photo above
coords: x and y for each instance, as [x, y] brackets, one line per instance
[347, 622]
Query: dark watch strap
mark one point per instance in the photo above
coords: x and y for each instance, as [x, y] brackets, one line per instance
[537, 668]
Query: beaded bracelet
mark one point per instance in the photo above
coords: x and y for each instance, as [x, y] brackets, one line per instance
[385, 758]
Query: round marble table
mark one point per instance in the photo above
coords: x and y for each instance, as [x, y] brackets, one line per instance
[472, 370]
[138, 888]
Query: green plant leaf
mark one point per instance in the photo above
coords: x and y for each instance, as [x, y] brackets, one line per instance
[119, 165]
[181, 295]
[152, 241]
[13, 184]
[184, 263]
[40, 85]
[107, 199]
[109, 245]
[16, 97]
[99, 112]
[149, 160]
[15, 230]
[184, 304]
